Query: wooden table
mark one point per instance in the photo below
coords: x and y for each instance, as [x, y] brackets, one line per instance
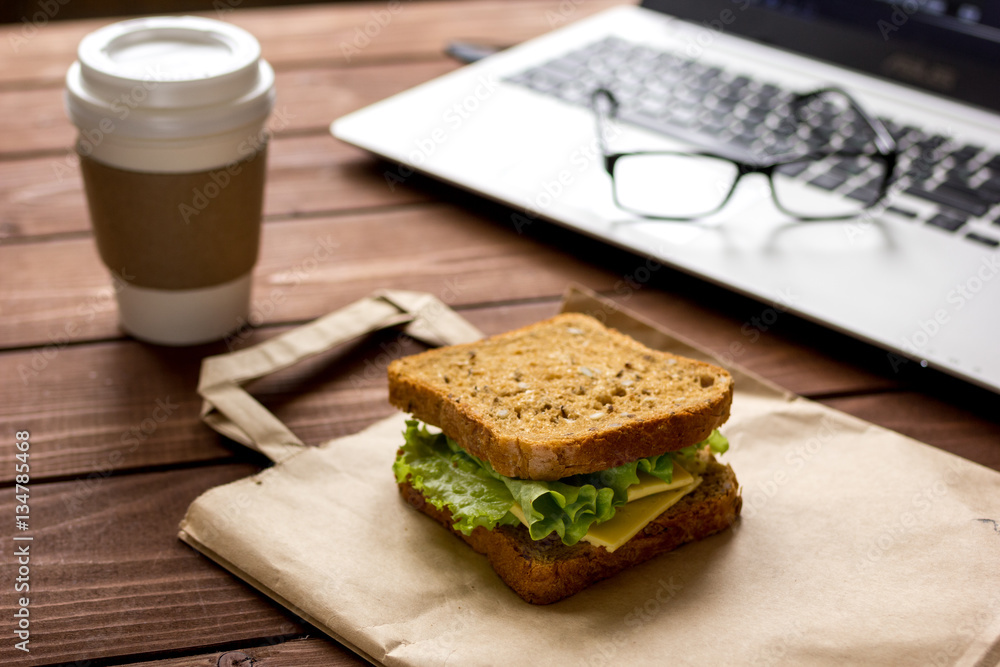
[117, 451]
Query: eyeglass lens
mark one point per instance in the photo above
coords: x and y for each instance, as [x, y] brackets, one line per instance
[676, 184]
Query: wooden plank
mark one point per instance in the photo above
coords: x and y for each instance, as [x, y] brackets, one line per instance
[306, 176]
[108, 576]
[960, 418]
[35, 120]
[319, 174]
[305, 652]
[31, 58]
[58, 292]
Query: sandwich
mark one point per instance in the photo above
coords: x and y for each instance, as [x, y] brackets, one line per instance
[565, 451]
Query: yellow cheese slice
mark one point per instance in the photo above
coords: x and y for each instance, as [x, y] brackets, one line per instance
[647, 500]
[634, 516]
[648, 485]
[516, 510]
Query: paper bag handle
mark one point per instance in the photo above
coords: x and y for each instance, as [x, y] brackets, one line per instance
[232, 411]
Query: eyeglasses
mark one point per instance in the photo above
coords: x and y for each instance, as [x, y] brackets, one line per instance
[858, 159]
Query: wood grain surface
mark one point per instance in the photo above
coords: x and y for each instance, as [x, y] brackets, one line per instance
[275, 652]
[117, 449]
[113, 579]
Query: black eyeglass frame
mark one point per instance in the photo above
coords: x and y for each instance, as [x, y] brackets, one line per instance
[886, 152]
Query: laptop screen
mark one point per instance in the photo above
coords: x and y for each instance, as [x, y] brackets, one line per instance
[942, 46]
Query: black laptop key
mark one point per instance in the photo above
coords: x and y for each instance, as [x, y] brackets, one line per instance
[994, 164]
[905, 212]
[830, 180]
[719, 117]
[948, 222]
[776, 104]
[992, 182]
[918, 173]
[958, 190]
[756, 115]
[793, 169]
[851, 165]
[710, 75]
[989, 189]
[769, 90]
[898, 132]
[926, 150]
[718, 104]
[856, 143]
[965, 153]
[864, 194]
[985, 240]
[730, 99]
[960, 173]
[962, 200]
[688, 132]
[872, 182]
[935, 140]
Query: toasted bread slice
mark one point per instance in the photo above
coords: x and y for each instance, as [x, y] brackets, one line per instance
[560, 397]
[547, 570]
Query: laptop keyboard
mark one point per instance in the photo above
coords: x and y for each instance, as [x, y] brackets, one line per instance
[707, 105]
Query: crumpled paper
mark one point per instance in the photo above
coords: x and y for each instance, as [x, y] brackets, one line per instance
[856, 545]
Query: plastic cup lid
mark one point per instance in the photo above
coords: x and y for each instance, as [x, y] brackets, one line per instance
[167, 77]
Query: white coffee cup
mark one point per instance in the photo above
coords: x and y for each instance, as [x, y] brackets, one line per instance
[171, 113]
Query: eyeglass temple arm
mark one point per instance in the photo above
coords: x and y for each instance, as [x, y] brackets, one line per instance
[602, 116]
[883, 140]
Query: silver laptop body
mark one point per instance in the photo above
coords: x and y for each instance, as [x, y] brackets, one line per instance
[925, 294]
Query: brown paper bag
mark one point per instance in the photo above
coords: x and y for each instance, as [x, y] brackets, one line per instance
[857, 545]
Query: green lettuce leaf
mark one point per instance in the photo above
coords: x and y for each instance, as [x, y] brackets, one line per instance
[454, 479]
[477, 495]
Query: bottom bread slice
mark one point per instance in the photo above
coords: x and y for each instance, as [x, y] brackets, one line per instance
[545, 571]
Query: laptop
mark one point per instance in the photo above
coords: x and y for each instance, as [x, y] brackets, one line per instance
[917, 273]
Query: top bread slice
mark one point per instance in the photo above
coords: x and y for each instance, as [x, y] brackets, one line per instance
[561, 397]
